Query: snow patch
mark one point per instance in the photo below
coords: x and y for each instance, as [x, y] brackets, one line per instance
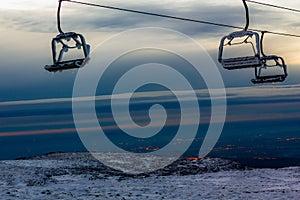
[80, 176]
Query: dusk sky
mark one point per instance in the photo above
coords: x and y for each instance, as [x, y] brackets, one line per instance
[36, 104]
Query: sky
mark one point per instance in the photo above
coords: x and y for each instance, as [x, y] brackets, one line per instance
[29, 26]
[32, 99]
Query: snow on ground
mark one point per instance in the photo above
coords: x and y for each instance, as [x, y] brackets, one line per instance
[79, 176]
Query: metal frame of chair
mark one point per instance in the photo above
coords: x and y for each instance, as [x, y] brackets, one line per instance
[63, 39]
[245, 61]
[279, 63]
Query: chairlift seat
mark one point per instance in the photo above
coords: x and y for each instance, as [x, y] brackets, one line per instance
[80, 44]
[269, 79]
[64, 65]
[241, 62]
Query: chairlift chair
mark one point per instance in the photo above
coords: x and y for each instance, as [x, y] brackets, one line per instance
[260, 77]
[240, 62]
[245, 61]
[58, 63]
[64, 39]
[277, 62]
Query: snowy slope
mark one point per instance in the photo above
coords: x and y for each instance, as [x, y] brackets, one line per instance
[79, 176]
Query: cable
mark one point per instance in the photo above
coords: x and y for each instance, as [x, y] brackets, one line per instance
[155, 14]
[274, 6]
[178, 18]
[58, 17]
[247, 15]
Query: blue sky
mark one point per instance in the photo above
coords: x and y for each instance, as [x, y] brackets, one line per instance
[29, 93]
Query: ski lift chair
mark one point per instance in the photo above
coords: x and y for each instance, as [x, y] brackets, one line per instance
[250, 61]
[240, 62]
[272, 70]
[64, 40]
[261, 75]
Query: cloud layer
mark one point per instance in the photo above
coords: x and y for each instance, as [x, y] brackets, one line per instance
[41, 18]
[54, 116]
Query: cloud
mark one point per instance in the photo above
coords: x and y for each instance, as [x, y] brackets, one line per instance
[54, 116]
[259, 93]
[85, 18]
